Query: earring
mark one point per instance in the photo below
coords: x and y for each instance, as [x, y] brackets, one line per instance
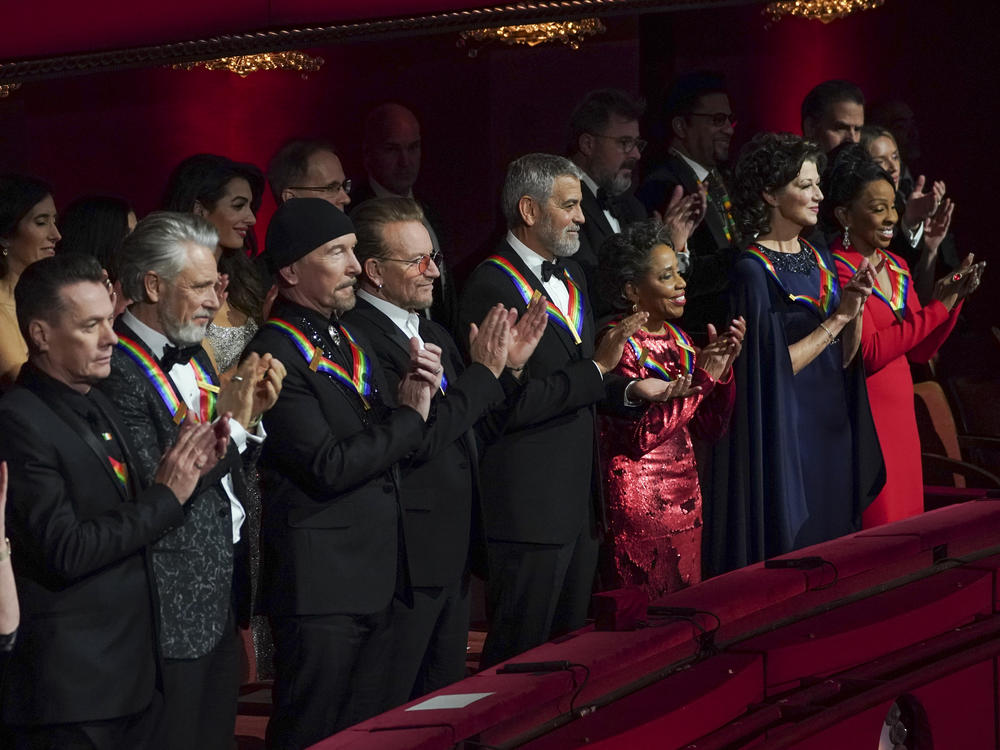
[380, 286]
[847, 238]
[635, 307]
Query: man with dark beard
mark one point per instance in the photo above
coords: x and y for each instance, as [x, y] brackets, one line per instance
[604, 143]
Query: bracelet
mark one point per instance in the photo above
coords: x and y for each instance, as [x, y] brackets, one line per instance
[827, 331]
[5, 550]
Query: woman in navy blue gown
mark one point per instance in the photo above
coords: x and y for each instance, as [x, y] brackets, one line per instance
[801, 460]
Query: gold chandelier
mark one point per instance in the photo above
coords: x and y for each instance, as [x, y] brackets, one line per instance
[570, 33]
[820, 10]
[6, 89]
[244, 65]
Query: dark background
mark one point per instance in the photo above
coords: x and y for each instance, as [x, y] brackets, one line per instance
[122, 132]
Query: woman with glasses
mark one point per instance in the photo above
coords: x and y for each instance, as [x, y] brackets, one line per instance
[227, 194]
[896, 330]
[801, 461]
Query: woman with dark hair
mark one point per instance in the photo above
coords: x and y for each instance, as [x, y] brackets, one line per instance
[802, 458]
[96, 225]
[27, 233]
[895, 329]
[650, 479]
[228, 194]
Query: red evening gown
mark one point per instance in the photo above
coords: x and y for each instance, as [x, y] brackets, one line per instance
[650, 477]
[888, 345]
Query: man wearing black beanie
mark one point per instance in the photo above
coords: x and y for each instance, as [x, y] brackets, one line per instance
[330, 553]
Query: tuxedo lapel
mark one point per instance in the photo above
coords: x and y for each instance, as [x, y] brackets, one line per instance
[714, 220]
[595, 213]
[123, 330]
[507, 252]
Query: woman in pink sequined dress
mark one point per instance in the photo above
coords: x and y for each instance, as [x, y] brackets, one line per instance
[650, 478]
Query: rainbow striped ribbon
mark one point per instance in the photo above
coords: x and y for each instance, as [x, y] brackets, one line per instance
[900, 287]
[660, 370]
[120, 470]
[827, 281]
[358, 379]
[572, 324]
[207, 389]
[151, 369]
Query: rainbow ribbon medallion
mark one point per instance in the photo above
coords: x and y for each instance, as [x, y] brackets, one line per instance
[900, 287]
[684, 345]
[359, 379]
[151, 369]
[573, 324]
[827, 281]
[207, 391]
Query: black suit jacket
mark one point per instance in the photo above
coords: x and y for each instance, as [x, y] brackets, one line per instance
[440, 489]
[712, 255]
[193, 564]
[330, 529]
[540, 482]
[595, 230]
[86, 645]
[444, 309]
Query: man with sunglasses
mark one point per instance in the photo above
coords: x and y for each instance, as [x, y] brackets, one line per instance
[701, 122]
[308, 169]
[605, 144]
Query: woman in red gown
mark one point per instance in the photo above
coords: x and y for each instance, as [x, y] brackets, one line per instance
[650, 478]
[896, 330]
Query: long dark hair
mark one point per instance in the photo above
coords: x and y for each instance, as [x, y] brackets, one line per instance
[18, 195]
[203, 178]
[95, 225]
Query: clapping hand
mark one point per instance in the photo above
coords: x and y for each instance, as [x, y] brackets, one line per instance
[683, 214]
[612, 344]
[718, 356]
[656, 390]
[936, 226]
[489, 341]
[527, 332]
[921, 205]
[195, 453]
[422, 379]
[857, 291]
[960, 284]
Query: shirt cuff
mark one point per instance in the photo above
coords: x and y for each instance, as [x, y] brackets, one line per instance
[239, 435]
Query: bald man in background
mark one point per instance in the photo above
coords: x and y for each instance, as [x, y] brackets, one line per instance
[392, 153]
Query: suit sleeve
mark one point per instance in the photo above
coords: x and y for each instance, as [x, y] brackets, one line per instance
[72, 546]
[325, 463]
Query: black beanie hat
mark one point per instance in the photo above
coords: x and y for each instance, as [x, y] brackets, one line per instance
[299, 226]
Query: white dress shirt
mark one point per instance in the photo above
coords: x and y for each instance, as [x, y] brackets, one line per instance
[555, 286]
[183, 377]
[405, 321]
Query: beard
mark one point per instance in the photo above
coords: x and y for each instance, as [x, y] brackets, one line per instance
[620, 182]
[561, 242]
[181, 333]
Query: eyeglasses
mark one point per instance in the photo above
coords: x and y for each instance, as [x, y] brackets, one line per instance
[330, 189]
[719, 119]
[422, 262]
[625, 143]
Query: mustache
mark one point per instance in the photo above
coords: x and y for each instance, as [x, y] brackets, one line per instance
[629, 163]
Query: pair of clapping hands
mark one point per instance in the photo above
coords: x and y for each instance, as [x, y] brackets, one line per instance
[251, 391]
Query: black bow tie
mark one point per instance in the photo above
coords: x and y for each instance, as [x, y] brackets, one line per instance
[177, 355]
[551, 269]
[607, 202]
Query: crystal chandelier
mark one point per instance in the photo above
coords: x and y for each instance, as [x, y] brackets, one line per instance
[6, 89]
[244, 65]
[570, 33]
[820, 10]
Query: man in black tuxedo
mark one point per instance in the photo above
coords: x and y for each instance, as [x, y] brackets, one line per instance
[308, 169]
[541, 485]
[833, 112]
[604, 143]
[159, 374]
[331, 559]
[392, 150]
[442, 512]
[84, 671]
[701, 124]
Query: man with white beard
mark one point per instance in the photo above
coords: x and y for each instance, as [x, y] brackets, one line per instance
[604, 142]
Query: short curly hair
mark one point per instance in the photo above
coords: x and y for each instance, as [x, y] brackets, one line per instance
[767, 163]
[624, 258]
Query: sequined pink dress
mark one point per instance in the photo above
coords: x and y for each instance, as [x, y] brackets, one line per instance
[650, 478]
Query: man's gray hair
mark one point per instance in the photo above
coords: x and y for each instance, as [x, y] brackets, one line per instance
[533, 175]
[157, 244]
